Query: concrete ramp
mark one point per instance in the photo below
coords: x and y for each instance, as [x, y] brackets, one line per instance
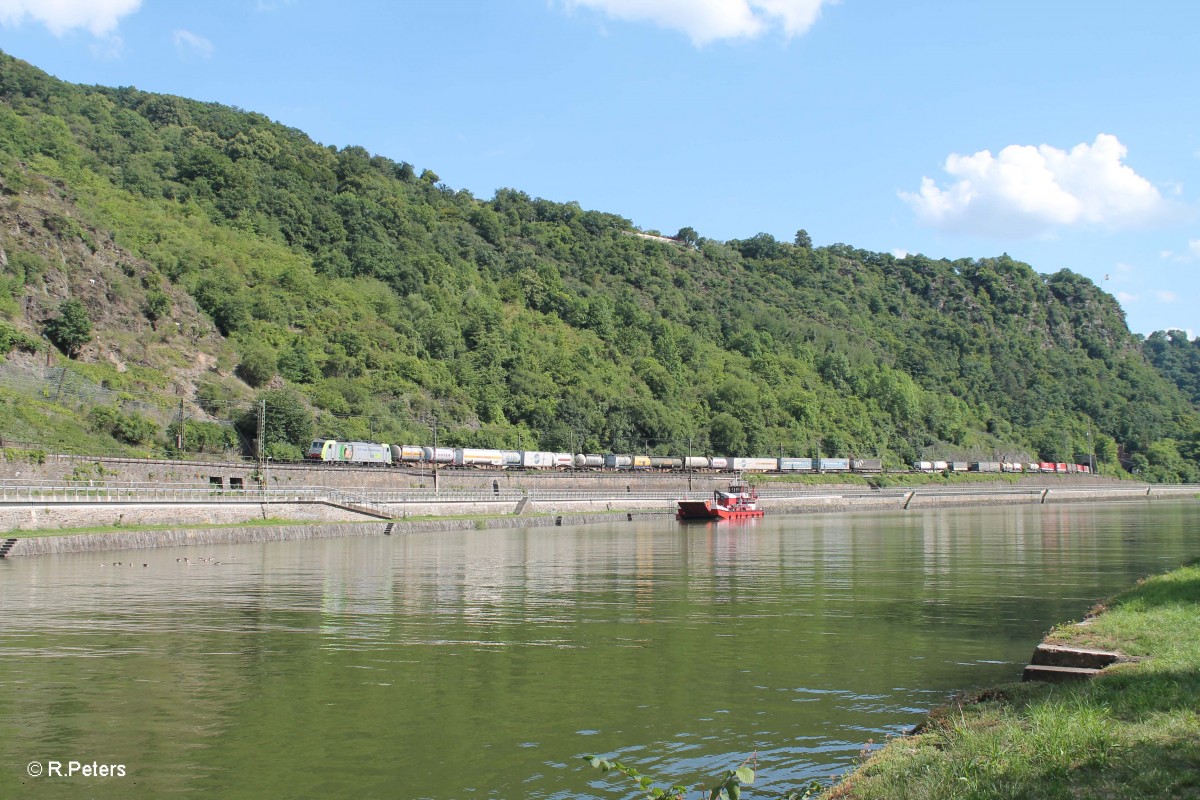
[354, 504]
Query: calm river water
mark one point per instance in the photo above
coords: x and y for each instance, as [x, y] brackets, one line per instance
[482, 663]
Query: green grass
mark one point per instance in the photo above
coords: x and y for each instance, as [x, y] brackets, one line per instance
[1132, 732]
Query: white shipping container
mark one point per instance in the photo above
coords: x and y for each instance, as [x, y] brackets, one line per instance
[537, 459]
[756, 464]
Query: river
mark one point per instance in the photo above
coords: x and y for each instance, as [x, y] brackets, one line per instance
[483, 663]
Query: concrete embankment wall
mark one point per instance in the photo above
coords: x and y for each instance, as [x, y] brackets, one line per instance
[48, 516]
[137, 540]
[52, 515]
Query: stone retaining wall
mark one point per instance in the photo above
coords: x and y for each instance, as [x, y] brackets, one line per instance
[136, 540]
[77, 515]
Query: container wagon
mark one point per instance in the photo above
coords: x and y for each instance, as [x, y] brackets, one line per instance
[755, 464]
[787, 464]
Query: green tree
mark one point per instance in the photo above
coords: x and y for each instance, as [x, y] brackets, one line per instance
[1106, 449]
[257, 365]
[200, 436]
[71, 329]
[130, 428]
[288, 425]
[157, 306]
[688, 236]
[297, 365]
[727, 435]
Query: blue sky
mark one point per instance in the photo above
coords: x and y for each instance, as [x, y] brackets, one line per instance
[1066, 134]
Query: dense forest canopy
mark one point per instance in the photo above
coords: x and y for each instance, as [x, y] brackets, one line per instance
[376, 298]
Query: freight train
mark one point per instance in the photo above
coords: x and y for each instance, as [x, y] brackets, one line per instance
[366, 453]
[373, 454]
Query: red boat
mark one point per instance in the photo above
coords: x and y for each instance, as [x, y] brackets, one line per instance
[740, 502]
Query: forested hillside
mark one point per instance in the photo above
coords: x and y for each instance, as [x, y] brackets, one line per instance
[213, 255]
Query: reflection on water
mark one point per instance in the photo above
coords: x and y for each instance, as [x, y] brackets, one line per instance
[479, 664]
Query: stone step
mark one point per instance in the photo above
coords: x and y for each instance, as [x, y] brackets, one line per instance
[1050, 674]
[1053, 655]
[6, 546]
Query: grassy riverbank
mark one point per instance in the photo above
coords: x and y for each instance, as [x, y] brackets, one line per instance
[1132, 732]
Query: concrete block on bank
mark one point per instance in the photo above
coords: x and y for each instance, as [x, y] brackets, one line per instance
[1048, 674]
[1051, 655]
[1054, 663]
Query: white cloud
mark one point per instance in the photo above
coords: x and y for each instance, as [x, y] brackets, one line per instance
[1164, 296]
[188, 43]
[1192, 253]
[900, 253]
[1028, 191]
[100, 17]
[705, 21]
[1126, 298]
